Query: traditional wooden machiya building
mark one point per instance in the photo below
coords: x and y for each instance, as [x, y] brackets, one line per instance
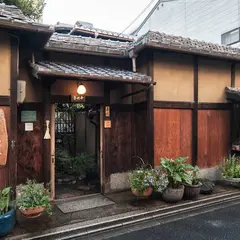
[157, 96]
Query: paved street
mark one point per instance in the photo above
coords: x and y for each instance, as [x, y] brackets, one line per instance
[220, 224]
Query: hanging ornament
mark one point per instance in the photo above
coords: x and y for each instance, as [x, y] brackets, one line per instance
[47, 133]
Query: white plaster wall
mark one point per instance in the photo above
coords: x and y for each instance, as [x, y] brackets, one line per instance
[198, 19]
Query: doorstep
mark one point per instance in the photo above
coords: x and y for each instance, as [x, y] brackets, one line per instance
[125, 209]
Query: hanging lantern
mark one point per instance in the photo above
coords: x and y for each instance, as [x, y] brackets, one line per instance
[81, 89]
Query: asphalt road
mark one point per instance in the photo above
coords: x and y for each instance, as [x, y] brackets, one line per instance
[221, 224]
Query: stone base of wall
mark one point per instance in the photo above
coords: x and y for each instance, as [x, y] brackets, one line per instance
[213, 174]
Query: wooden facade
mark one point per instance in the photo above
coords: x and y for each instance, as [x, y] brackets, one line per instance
[182, 111]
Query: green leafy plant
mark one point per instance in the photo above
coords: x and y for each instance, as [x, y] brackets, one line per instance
[63, 161]
[193, 176]
[33, 195]
[4, 200]
[141, 179]
[177, 171]
[231, 167]
[83, 164]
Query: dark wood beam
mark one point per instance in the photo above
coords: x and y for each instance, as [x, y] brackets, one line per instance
[195, 112]
[173, 105]
[13, 113]
[47, 142]
[5, 100]
[233, 74]
[214, 106]
[150, 108]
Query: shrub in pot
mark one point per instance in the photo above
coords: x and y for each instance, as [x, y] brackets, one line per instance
[176, 170]
[231, 169]
[7, 212]
[192, 187]
[34, 199]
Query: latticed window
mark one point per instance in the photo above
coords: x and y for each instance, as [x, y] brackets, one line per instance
[64, 118]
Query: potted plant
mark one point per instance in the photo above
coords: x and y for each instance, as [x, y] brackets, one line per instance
[141, 180]
[177, 175]
[192, 189]
[160, 181]
[7, 212]
[33, 199]
[231, 169]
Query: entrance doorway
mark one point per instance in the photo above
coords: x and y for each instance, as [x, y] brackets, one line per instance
[77, 149]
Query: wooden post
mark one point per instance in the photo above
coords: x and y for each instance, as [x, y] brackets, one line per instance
[195, 113]
[13, 114]
[150, 115]
[46, 142]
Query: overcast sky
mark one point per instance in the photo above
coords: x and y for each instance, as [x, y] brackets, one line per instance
[113, 15]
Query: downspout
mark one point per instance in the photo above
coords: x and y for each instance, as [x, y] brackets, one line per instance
[133, 56]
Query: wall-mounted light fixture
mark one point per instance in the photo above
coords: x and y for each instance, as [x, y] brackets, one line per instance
[81, 89]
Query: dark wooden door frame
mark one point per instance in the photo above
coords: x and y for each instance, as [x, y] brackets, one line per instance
[14, 72]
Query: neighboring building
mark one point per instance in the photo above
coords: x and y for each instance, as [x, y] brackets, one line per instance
[216, 21]
[185, 114]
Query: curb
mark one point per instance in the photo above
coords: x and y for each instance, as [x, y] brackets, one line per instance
[107, 223]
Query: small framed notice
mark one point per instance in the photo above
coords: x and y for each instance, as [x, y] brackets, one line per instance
[107, 124]
[28, 116]
[28, 127]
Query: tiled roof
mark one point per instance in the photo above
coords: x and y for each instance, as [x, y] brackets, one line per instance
[177, 43]
[87, 72]
[233, 93]
[12, 16]
[84, 28]
[71, 43]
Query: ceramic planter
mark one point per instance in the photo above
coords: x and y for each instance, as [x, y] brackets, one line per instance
[146, 194]
[32, 212]
[173, 195]
[7, 222]
[192, 191]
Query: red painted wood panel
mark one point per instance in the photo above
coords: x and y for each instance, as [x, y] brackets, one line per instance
[213, 137]
[4, 170]
[172, 134]
[29, 147]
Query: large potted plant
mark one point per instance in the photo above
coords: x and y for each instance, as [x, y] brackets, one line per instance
[33, 199]
[192, 187]
[177, 175]
[7, 212]
[231, 169]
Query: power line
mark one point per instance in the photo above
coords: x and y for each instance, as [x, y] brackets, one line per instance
[138, 16]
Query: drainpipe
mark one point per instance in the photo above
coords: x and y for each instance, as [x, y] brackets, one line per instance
[133, 56]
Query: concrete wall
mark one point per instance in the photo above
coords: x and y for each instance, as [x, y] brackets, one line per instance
[5, 64]
[203, 20]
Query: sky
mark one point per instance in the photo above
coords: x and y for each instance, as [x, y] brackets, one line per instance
[113, 15]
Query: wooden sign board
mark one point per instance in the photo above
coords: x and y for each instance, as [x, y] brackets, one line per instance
[107, 124]
[28, 116]
[78, 99]
[3, 139]
[107, 111]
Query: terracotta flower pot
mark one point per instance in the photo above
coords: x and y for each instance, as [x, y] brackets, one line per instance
[32, 212]
[146, 194]
[192, 191]
[173, 194]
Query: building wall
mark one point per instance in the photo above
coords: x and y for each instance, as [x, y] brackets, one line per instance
[213, 77]
[5, 67]
[5, 58]
[174, 104]
[174, 76]
[203, 20]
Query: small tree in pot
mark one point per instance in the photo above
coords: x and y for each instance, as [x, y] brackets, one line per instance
[7, 212]
[192, 187]
[177, 175]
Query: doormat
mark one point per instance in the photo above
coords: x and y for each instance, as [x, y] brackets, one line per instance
[85, 203]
